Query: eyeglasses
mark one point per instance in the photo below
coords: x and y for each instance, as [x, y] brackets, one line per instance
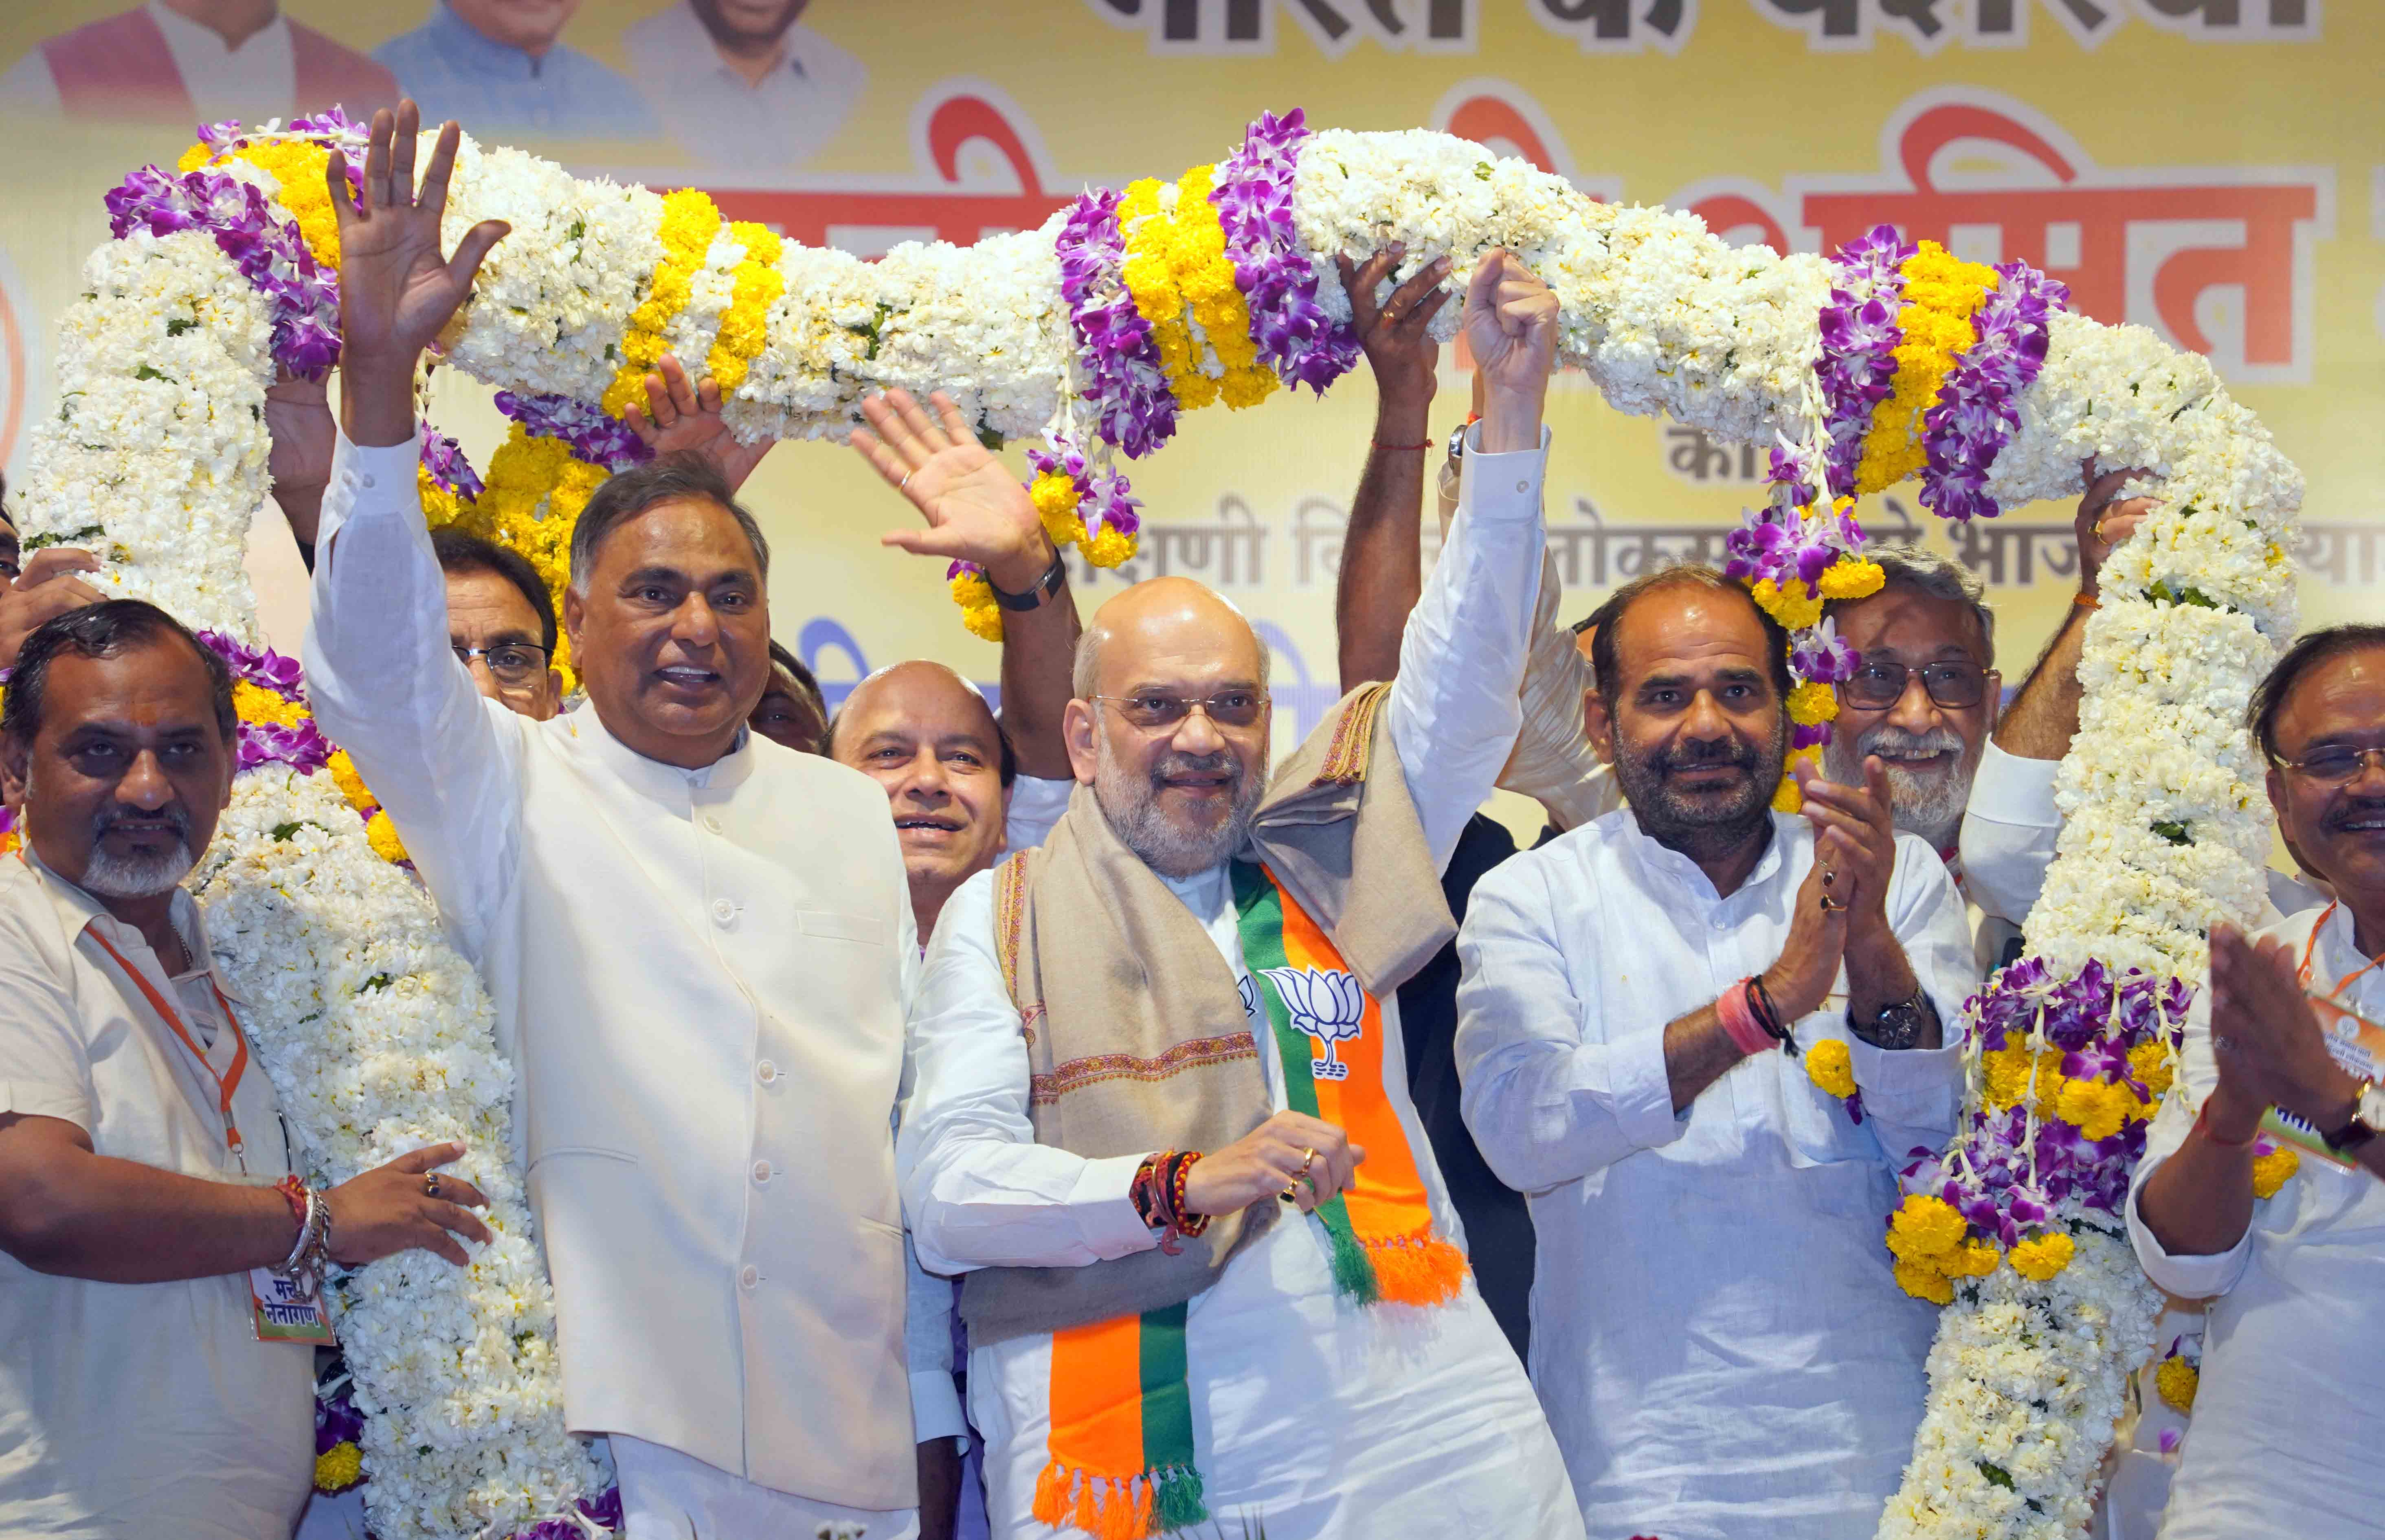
[1151, 710]
[2335, 765]
[515, 665]
[1952, 686]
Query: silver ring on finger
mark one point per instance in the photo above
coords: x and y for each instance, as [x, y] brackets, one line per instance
[906, 482]
[2224, 1045]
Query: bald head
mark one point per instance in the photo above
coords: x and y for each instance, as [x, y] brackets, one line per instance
[1166, 623]
[925, 735]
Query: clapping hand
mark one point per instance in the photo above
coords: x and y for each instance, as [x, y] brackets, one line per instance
[396, 291]
[1854, 840]
[2265, 1037]
[683, 416]
[1511, 326]
[976, 509]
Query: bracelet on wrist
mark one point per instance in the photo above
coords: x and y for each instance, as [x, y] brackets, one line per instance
[1054, 577]
[2212, 1135]
[1402, 449]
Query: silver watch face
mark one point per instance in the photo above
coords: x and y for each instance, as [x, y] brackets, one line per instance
[1457, 443]
[2370, 1113]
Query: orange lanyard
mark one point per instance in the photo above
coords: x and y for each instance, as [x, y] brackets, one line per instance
[2310, 949]
[226, 1084]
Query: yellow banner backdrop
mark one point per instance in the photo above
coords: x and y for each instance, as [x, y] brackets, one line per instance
[2212, 168]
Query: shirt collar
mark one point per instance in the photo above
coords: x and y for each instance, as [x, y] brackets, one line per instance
[670, 785]
[1662, 860]
[78, 911]
[463, 46]
[189, 34]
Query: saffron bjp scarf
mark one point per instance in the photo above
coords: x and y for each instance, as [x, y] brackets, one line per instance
[1138, 1039]
[1121, 1462]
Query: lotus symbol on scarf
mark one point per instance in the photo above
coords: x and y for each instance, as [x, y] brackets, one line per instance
[1326, 1004]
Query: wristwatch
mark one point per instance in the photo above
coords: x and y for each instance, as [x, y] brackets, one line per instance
[1457, 442]
[1896, 1026]
[2368, 1120]
[1038, 592]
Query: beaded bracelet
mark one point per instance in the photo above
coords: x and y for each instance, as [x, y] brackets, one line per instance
[1181, 1218]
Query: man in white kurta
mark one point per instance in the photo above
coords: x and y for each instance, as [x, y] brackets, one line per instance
[1717, 1336]
[699, 971]
[1314, 1417]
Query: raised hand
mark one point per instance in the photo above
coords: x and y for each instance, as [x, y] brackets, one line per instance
[683, 416]
[2106, 518]
[391, 1209]
[976, 509]
[1396, 334]
[1260, 1165]
[298, 418]
[45, 589]
[1511, 326]
[396, 291]
[1808, 965]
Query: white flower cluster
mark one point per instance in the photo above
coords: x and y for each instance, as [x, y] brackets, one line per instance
[689, 335]
[156, 456]
[380, 1040]
[553, 300]
[2025, 1380]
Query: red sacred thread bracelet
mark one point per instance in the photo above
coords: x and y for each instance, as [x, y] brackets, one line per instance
[1401, 448]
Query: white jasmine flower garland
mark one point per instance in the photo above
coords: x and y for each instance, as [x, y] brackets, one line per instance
[376, 1034]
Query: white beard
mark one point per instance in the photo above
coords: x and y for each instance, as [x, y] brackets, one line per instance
[1928, 804]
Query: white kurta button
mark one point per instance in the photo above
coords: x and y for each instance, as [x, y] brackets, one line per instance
[712, 823]
[368, 481]
[748, 1276]
[761, 1173]
[1523, 486]
[723, 911]
[766, 1072]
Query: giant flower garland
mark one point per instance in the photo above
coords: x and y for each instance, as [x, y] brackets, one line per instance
[1092, 337]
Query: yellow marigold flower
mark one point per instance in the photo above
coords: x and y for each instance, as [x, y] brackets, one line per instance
[979, 612]
[1787, 797]
[2100, 1108]
[339, 1468]
[2153, 1064]
[383, 835]
[1926, 1229]
[1852, 579]
[2042, 1256]
[1925, 1282]
[1110, 548]
[351, 785]
[1794, 606]
[2273, 1170]
[1974, 1259]
[256, 703]
[744, 326]
[194, 158]
[2007, 1070]
[1940, 292]
[1055, 496]
[1812, 702]
[1829, 1066]
[2177, 1381]
[688, 224]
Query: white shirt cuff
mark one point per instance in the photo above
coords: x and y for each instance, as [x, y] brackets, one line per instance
[2187, 1277]
[2009, 789]
[936, 1407]
[1105, 1212]
[364, 477]
[1504, 486]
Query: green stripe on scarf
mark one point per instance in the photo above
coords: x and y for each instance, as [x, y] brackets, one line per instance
[1177, 1499]
[1260, 908]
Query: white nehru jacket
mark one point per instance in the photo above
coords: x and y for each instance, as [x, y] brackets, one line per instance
[700, 978]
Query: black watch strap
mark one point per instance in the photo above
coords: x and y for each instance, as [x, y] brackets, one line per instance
[1042, 590]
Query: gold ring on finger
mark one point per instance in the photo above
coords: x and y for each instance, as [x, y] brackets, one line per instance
[2096, 529]
[1290, 1194]
[430, 1183]
[1307, 1158]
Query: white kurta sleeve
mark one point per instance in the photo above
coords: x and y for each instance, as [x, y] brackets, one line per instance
[977, 1188]
[2188, 1277]
[1035, 806]
[2008, 832]
[1913, 1098]
[1454, 708]
[928, 1343]
[386, 688]
[1545, 1102]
